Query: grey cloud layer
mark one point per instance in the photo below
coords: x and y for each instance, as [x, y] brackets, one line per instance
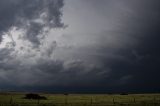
[125, 38]
[115, 46]
[33, 16]
[46, 71]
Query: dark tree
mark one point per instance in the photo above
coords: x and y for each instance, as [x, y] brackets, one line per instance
[34, 96]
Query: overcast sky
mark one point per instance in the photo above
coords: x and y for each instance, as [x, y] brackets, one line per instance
[80, 45]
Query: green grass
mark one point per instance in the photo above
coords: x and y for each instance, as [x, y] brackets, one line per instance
[16, 99]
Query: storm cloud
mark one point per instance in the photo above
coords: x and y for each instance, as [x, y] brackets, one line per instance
[33, 16]
[109, 45]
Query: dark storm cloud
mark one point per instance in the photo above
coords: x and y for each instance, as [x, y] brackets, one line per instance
[30, 15]
[140, 62]
[130, 50]
[47, 72]
[124, 58]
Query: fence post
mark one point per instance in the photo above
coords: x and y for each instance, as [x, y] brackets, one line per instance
[134, 100]
[154, 100]
[113, 101]
[91, 101]
[38, 102]
[11, 100]
[66, 100]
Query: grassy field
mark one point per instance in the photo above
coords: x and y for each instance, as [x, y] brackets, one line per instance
[16, 99]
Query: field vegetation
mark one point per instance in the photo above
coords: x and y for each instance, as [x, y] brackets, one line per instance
[18, 99]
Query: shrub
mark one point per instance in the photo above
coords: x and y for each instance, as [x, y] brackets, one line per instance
[66, 94]
[123, 93]
[34, 96]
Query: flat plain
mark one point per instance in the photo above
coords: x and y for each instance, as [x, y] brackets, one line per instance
[17, 99]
